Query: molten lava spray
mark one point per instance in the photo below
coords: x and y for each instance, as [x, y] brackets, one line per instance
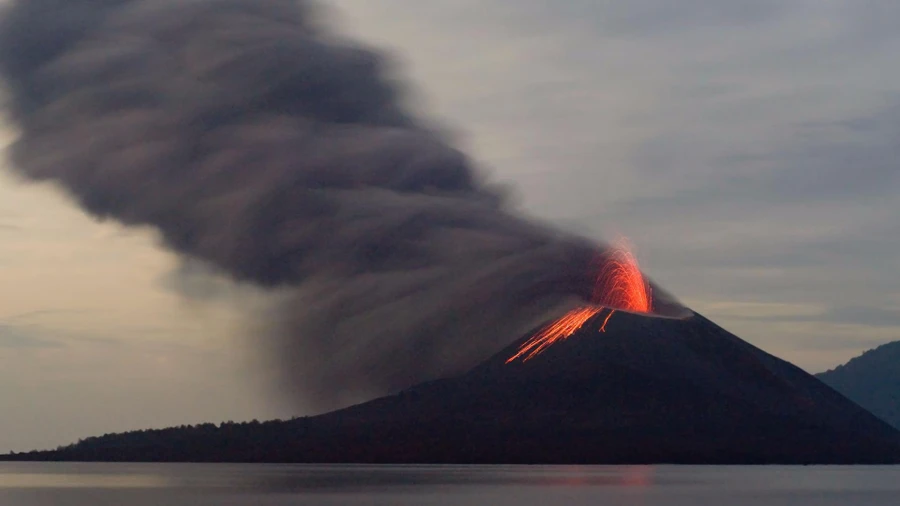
[619, 285]
[255, 140]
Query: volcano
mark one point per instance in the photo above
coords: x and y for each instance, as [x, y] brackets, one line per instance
[646, 390]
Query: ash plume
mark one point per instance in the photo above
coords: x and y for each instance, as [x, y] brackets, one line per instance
[259, 142]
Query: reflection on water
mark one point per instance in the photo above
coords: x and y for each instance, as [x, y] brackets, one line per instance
[316, 478]
[186, 484]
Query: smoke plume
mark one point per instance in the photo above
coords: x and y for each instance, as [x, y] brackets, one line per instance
[257, 141]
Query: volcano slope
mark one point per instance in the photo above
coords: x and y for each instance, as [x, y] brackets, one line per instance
[648, 390]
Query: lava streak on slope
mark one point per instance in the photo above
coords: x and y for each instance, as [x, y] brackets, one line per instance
[619, 285]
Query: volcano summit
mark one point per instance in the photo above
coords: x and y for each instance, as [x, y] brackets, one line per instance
[647, 390]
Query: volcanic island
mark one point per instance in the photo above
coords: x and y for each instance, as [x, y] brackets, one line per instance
[629, 378]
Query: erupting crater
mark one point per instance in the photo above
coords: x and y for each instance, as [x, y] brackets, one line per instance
[619, 286]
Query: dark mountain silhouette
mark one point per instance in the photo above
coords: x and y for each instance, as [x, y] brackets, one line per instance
[871, 380]
[649, 390]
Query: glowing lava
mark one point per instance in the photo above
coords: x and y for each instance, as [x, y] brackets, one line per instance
[619, 285]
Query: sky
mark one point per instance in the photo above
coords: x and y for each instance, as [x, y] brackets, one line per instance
[747, 148]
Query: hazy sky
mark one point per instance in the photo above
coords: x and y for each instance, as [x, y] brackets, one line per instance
[749, 149]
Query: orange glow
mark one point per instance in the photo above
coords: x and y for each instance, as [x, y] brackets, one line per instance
[603, 327]
[639, 477]
[619, 285]
[556, 331]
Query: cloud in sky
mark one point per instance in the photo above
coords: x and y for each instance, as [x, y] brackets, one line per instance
[749, 148]
[65, 375]
[23, 337]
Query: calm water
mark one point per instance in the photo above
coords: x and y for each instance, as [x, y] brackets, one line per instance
[257, 485]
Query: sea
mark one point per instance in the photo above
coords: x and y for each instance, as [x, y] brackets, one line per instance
[39, 484]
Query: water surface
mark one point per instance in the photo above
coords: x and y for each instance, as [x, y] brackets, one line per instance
[277, 485]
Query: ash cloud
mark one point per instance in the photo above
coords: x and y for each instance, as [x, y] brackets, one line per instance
[193, 280]
[257, 141]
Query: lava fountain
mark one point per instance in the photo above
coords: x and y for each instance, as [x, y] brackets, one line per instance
[619, 286]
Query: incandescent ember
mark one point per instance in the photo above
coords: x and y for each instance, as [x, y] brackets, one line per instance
[619, 286]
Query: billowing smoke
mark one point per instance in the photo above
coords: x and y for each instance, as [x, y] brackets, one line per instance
[256, 141]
